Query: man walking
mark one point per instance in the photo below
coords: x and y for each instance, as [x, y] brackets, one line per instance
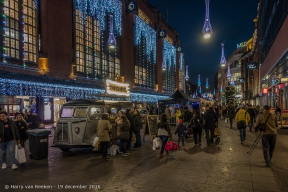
[269, 134]
[251, 112]
[231, 115]
[210, 119]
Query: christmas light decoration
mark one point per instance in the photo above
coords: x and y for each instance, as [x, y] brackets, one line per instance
[164, 65]
[228, 71]
[187, 73]
[232, 81]
[207, 86]
[111, 39]
[4, 17]
[200, 90]
[81, 5]
[230, 93]
[169, 54]
[181, 62]
[221, 88]
[199, 81]
[214, 92]
[113, 87]
[207, 28]
[137, 97]
[142, 29]
[223, 59]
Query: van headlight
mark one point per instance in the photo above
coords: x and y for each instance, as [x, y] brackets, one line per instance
[77, 130]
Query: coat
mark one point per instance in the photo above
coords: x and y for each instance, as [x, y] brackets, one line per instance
[271, 124]
[124, 130]
[165, 126]
[168, 113]
[193, 122]
[131, 121]
[22, 131]
[231, 112]
[103, 130]
[13, 129]
[180, 130]
[210, 118]
[137, 122]
[178, 115]
[240, 116]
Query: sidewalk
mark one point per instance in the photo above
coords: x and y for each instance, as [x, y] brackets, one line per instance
[226, 167]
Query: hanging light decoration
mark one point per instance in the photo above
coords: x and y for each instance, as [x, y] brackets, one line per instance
[207, 83]
[228, 71]
[232, 81]
[207, 28]
[221, 88]
[187, 75]
[199, 81]
[164, 65]
[200, 90]
[214, 92]
[111, 39]
[223, 59]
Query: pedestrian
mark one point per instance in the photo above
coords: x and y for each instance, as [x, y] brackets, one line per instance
[124, 135]
[210, 119]
[19, 112]
[103, 129]
[178, 114]
[137, 127]
[197, 125]
[181, 132]
[269, 134]
[168, 113]
[32, 120]
[224, 112]
[118, 123]
[22, 128]
[242, 116]
[164, 133]
[8, 135]
[251, 112]
[231, 115]
[186, 116]
[131, 121]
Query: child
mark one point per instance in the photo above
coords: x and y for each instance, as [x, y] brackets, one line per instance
[181, 132]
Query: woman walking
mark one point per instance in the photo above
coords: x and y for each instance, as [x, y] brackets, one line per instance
[103, 130]
[22, 128]
[124, 135]
[197, 125]
[164, 133]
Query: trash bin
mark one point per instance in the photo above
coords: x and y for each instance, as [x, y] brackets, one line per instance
[38, 143]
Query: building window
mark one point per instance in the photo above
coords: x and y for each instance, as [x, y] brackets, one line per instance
[170, 59]
[145, 52]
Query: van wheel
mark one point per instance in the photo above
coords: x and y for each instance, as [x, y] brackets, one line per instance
[64, 149]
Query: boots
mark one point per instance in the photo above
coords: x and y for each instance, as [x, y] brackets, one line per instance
[161, 155]
[167, 152]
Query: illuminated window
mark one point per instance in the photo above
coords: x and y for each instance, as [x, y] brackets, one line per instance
[93, 59]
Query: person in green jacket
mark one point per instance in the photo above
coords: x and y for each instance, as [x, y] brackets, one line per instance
[124, 135]
[137, 127]
[103, 129]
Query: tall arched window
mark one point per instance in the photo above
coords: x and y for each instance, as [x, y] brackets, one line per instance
[20, 30]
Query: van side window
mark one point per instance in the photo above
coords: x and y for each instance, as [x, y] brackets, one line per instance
[80, 112]
[96, 112]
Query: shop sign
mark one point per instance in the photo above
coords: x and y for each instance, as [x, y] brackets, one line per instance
[264, 90]
[9, 101]
[252, 65]
[132, 7]
[284, 80]
[284, 117]
[243, 44]
[241, 80]
[116, 88]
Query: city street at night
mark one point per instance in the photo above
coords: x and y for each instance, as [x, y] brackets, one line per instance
[223, 167]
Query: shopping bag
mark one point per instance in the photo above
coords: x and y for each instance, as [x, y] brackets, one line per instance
[20, 154]
[170, 146]
[156, 143]
[226, 120]
[96, 142]
[217, 131]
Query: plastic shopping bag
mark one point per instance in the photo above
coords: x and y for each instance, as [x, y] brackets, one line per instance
[226, 120]
[96, 142]
[20, 154]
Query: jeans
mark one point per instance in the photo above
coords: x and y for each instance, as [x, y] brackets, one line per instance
[231, 121]
[10, 145]
[268, 144]
[123, 143]
[197, 135]
[250, 124]
[138, 139]
[209, 135]
[242, 134]
[104, 147]
[164, 140]
[128, 144]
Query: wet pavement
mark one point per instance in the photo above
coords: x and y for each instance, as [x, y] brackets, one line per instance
[226, 167]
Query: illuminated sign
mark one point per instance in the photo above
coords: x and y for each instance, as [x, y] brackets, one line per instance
[284, 80]
[264, 90]
[281, 86]
[116, 88]
[243, 44]
[252, 65]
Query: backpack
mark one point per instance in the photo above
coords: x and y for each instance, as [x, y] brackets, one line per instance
[187, 116]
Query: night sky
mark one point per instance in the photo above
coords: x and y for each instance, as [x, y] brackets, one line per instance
[232, 22]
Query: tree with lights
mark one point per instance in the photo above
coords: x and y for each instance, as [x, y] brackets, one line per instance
[230, 93]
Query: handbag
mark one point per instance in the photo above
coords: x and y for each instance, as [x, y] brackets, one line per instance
[262, 127]
[217, 131]
[170, 146]
[95, 142]
[226, 120]
[20, 154]
[241, 124]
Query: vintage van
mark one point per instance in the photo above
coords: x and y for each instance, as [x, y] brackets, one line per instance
[78, 120]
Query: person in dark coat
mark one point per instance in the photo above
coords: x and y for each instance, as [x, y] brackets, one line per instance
[22, 128]
[129, 117]
[210, 119]
[197, 125]
[181, 132]
[32, 120]
[231, 115]
[137, 127]
[252, 114]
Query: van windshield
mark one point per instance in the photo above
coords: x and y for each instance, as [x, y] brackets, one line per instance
[69, 112]
[96, 112]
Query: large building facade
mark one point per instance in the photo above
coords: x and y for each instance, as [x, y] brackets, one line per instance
[55, 50]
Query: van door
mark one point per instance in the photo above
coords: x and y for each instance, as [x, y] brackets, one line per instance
[78, 125]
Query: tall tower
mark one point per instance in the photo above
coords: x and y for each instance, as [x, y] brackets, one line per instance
[207, 83]
[199, 81]
[207, 28]
[111, 39]
[228, 71]
[223, 59]
[187, 75]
